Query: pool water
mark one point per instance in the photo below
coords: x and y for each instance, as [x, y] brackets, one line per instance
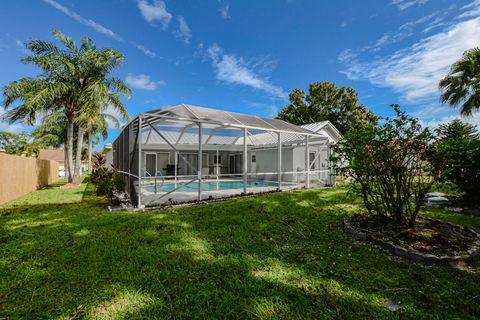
[208, 186]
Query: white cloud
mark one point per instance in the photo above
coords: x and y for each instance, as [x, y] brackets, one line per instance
[415, 71]
[87, 22]
[157, 11]
[224, 11]
[405, 4]
[471, 10]
[9, 127]
[436, 121]
[145, 50]
[184, 31]
[233, 70]
[142, 81]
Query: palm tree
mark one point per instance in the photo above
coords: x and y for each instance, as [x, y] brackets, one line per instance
[96, 121]
[71, 77]
[462, 83]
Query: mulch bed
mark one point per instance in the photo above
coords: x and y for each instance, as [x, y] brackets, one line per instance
[430, 242]
[429, 236]
[70, 185]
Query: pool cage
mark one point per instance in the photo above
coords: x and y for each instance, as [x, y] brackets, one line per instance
[185, 153]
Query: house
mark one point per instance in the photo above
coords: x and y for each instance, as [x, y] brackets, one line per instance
[184, 152]
[107, 151]
[58, 155]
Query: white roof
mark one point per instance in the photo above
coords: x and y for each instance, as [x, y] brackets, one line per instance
[225, 128]
[188, 112]
[325, 128]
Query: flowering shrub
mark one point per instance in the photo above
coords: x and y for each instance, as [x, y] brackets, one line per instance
[107, 180]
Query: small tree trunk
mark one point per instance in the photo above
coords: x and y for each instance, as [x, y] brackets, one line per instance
[69, 147]
[90, 142]
[78, 155]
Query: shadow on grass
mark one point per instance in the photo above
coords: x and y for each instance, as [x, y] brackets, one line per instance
[274, 256]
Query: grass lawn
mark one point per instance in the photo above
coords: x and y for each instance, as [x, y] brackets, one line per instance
[274, 256]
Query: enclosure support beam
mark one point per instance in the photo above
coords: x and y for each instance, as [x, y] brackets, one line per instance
[176, 168]
[183, 131]
[332, 178]
[279, 160]
[307, 161]
[245, 160]
[171, 145]
[199, 161]
[217, 172]
[139, 202]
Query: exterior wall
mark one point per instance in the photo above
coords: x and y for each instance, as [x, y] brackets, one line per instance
[267, 159]
[22, 175]
[109, 159]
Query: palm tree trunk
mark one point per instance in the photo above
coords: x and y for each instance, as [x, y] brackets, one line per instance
[69, 147]
[90, 142]
[78, 155]
[65, 162]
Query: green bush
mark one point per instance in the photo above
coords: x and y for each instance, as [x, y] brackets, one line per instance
[389, 165]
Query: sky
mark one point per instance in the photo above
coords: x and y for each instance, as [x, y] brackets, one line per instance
[246, 56]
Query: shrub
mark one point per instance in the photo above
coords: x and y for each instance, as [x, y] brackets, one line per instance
[107, 181]
[389, 165]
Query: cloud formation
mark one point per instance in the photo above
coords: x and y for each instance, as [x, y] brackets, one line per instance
[405, 4]
[184, 31]
[87, 22]
[157, 11]
[145, 50]
[142, 81]
[234, 70]
[224, 11]
[415, 71]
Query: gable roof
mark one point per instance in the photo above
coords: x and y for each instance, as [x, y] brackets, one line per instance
[48, 154]
[325, 128]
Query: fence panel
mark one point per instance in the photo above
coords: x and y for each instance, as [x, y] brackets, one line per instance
[22, 175]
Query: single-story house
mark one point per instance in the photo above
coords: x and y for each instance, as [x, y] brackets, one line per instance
[58, 155]
[185, 152]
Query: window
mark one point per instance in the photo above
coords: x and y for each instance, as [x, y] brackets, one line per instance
[311, 158]
[254, 158]
[217, 160]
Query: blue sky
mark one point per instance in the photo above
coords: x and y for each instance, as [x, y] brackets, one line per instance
[246, 56]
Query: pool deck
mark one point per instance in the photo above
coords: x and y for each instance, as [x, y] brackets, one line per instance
[151, 198]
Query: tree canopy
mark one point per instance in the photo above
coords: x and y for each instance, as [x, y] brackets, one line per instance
[326, 101]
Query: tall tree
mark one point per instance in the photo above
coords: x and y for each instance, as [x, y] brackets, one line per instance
[71, 77]
[326, 101]
[461, 86]
[458, 156]
[96, 121]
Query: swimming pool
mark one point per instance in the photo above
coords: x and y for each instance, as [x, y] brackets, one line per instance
[208, 185]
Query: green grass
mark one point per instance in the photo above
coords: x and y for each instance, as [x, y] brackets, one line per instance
[50, 195]
[278, 256]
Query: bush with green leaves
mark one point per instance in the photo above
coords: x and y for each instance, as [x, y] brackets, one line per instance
[389, 165]
[458, 157]
[107, 180]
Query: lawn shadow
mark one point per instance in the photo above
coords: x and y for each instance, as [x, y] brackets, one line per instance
[274, 256]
